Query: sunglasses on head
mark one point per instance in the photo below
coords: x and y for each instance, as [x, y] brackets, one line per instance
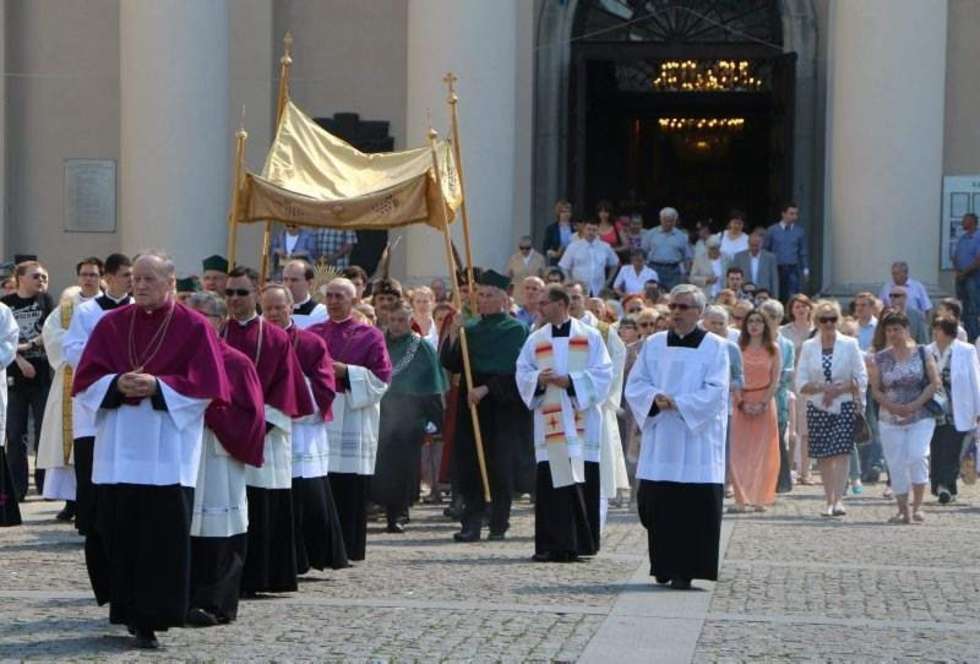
[240, 292]
[679, 306]
[827, 319]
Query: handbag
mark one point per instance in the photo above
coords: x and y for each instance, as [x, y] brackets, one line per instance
[936, 406]
[862, 432]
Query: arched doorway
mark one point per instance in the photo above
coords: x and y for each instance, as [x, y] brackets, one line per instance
[700, 104]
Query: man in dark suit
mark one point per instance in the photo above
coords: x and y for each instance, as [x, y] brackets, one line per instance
[759, 265]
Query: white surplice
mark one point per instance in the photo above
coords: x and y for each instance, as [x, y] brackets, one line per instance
[353, 432]
[591, 389]
[316, 316]
[86, 316]
[140, 445]
[9, 335]
[59, 476]
[612, 465]
[686, 444]
[220, 503]
[277, 454]
[311, 448]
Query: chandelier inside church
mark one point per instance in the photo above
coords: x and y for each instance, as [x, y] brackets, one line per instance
[707, 76]
[701, 125]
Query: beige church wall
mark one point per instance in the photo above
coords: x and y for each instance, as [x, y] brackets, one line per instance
[961, 145]
[61, 101]
[524, 121]
[253, 65]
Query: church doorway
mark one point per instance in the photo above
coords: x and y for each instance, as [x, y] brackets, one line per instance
[688, 104]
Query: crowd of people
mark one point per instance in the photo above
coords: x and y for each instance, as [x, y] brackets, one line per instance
[216, 438]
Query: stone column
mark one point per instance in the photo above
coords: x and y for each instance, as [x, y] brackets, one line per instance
[477, 40]
[887, 66]
[175, 147]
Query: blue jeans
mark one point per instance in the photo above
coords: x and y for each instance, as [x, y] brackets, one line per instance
[669, 274]
[789, 281]
[968, 292]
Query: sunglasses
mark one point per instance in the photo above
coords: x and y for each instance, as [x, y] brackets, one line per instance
[645, 324]
[525, 248]
[240, 292]
[896, 295]
[828, 319]
[679, 306]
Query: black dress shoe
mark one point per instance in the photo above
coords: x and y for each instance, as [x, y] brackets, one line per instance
[146, 639]
[546, 557]
[201, 618]
[467, 536]
[497, 537]
[67, 514]
[663, 580]
[680, 583]
[395, 529]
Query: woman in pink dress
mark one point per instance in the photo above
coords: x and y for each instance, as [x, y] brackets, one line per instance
[755, 433]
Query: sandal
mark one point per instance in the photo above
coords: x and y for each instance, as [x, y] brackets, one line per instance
[806, 481]
[736, 509]
[898, 520]
[918, 516]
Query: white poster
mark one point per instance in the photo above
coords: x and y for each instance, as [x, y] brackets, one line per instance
[961, 194]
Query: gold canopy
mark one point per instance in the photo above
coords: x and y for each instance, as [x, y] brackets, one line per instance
[312, 178]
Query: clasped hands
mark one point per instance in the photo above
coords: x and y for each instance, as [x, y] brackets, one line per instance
[549, 377]
[664, 402]
[137, 385]
[834, 390]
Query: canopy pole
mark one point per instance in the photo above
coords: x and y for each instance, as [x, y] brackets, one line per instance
[464, 346]
[240, 137]
[453, 100]
[285, 62]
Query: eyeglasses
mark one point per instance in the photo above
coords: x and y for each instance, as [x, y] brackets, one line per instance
[240, 292]
[896, 295]
[679, 306]
[827, 319]
[525, 248]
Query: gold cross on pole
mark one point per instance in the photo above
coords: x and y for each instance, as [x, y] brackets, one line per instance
[450, 80]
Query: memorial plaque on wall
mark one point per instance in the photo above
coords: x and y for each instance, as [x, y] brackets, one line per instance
[90, 195]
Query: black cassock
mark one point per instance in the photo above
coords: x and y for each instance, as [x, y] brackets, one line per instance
[505, 424]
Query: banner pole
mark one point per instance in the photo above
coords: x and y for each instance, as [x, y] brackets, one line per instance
[285, 62]
[240, 137]
[464, 346]
[453, 101]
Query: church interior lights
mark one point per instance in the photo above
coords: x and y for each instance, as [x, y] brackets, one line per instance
[707, 76]
[675, 124]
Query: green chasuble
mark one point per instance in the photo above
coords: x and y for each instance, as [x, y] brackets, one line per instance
[495, 341]
[415, 367]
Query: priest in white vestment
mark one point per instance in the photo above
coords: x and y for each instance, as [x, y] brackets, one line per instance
[149, 372]
[118, 278]
[9, 336]
[564, 375]
[678, 392]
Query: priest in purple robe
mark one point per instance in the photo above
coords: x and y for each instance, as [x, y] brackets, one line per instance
[319, 538]
[234, 436]
[363, 372]
[270, 564]
[149, 371]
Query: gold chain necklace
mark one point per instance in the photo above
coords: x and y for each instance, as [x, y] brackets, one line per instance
[155, 344]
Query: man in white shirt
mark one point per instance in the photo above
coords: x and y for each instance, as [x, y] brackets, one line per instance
[589, 259]
[632, 278]
[298, 276]
[918, 297]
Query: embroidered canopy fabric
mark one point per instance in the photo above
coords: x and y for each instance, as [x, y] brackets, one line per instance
[313, 178]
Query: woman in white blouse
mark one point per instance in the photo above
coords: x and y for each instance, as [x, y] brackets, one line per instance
[632, 278]
[959, 374]
[832, 379]
[734, 239]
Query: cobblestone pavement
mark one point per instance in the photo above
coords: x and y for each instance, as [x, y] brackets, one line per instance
[793, 587]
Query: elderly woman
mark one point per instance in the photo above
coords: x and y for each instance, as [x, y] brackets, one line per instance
[903, 380]
[708, 271]
[959, 373]
[715, 320]
[831, 379]
[773, 311]
[646, 321]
